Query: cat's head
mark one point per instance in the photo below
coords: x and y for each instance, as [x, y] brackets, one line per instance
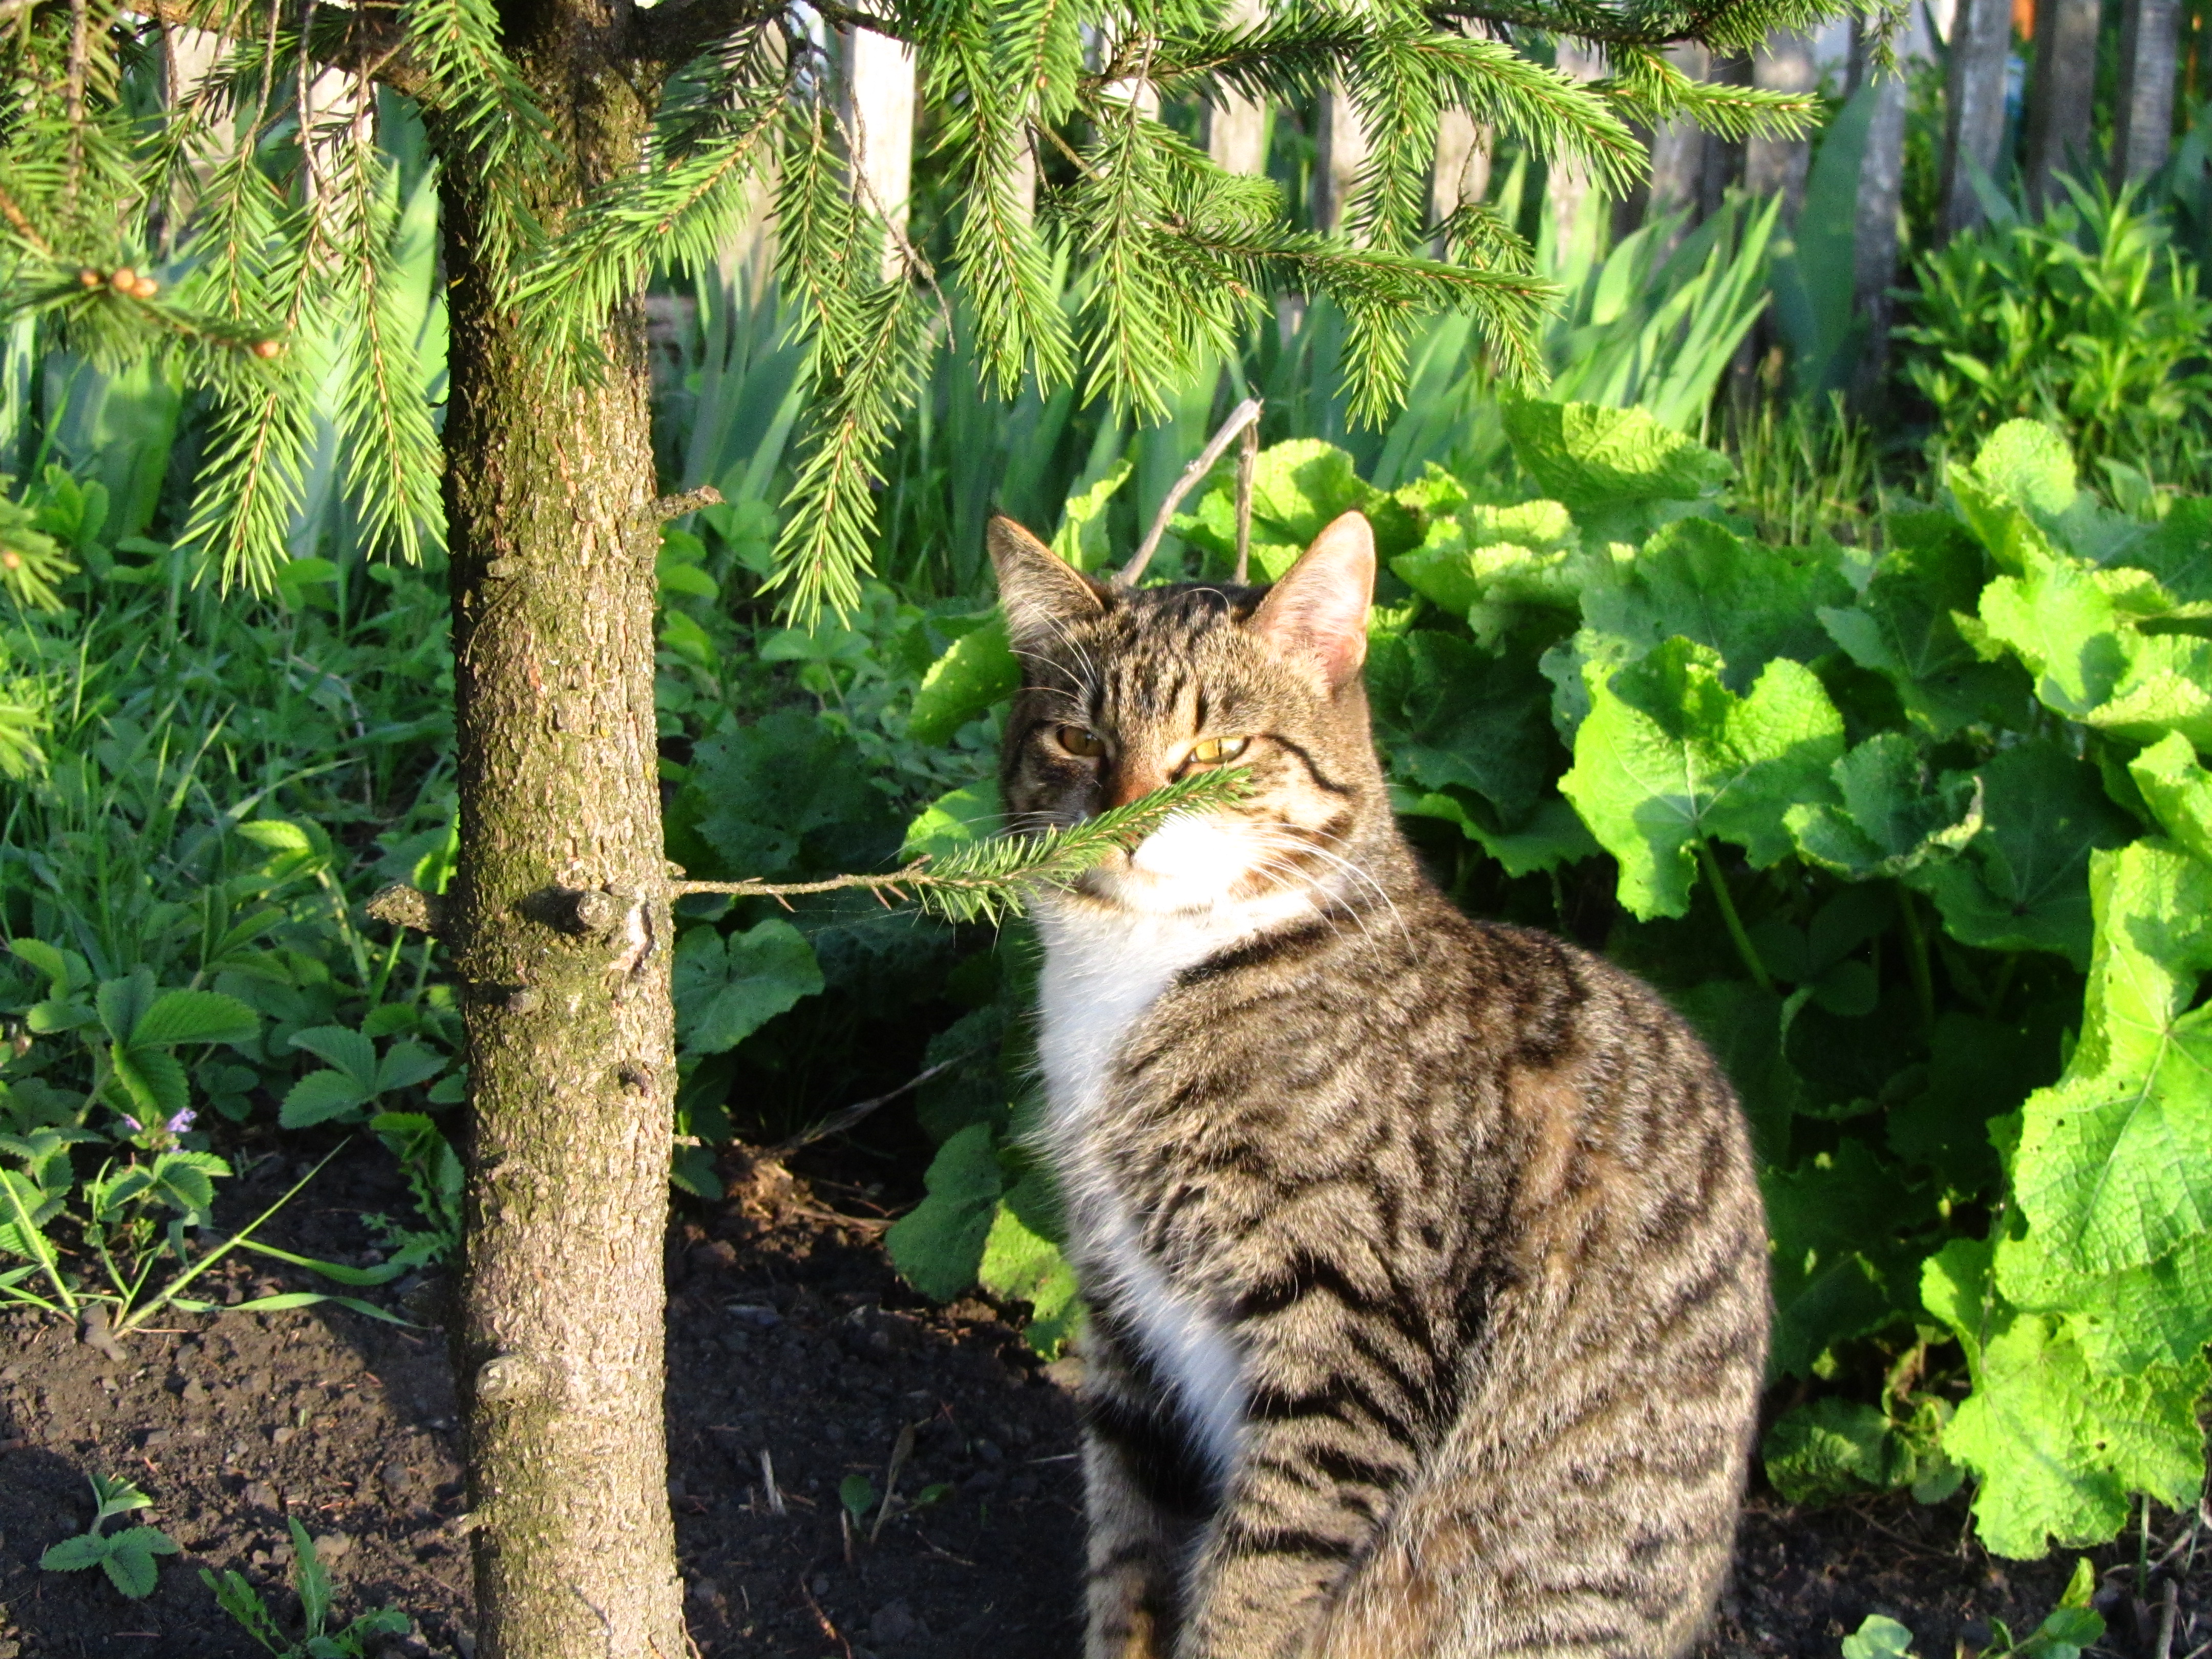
[1125, 689]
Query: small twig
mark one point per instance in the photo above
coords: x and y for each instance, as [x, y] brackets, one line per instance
[768, 1484]
[662, 508]
[896, 883]
[1247, 460]
[903, 1448]
[846, 1117]
[821, 1618]
[1245, 414]
[2169, 1606]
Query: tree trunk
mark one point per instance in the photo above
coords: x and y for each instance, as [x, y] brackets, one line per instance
[1236, 128]
[1576, 218]
[1875, 240]
[1339, 151]
[1677, 149]
[559, 923]
[2060, 95]
[1783, 63]
[1462, 173]
[2143, 122]
[879, 111]
[1974, 109]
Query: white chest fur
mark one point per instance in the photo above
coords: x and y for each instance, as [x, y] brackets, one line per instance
[1102, 970]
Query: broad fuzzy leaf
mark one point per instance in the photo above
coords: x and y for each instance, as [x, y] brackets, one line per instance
[2019, 885]
[320, 1097]
[938, 1244]
[1697, 580]
[1891, 817]
[2113, 1173]
[2179, 791]
[350, 1051]
[976, 671]
[1594, 459]
[727, 987]
[2058, 1449]
[1903, 628]
[1670, 755]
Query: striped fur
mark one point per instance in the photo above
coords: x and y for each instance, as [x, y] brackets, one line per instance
[1426, 1261]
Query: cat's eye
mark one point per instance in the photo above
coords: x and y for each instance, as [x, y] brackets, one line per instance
[1078, 740]
[1219, 751]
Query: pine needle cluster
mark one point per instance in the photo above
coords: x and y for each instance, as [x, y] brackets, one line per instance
[241, 227]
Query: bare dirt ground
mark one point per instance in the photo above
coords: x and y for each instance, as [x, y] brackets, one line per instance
[791, 1347]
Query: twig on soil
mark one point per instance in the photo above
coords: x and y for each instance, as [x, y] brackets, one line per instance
[2169, 1605]
[903, 1448]
[821, 1618]
[768, 1484]
[846, 1117]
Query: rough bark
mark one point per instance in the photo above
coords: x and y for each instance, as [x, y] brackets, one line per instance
[1974, 109]
[1783, 63]
[558, 1339]
[2142, 121]
[2060, 94]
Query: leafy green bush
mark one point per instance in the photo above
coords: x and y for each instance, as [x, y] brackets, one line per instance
[2085, 319]
[1920, 840]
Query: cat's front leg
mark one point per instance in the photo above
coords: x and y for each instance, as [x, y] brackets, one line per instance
[1306, 1504]
[1142, 1499]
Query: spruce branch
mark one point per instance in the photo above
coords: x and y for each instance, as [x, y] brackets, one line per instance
[990, 879]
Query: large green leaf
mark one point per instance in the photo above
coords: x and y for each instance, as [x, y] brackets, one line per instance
[2058, 1448]
[1979, 1069]
[1699, 581]
[2079, 630]
[2177, 790]
[1842, 1268]
[350, 1051]
[1598, 460]
[1890, 816]
[1489, 564]
[938, 1244]
[976, 671]
[2113, 1172]
[727, 987]
[196, 1016]
[320, 1098]
[1670, 755]
[1451, 712]
[1903, 628]
[2020, 883]
[789, 793]
[1021, 1263]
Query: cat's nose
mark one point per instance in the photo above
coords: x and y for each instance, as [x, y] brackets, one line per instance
[1133, 781]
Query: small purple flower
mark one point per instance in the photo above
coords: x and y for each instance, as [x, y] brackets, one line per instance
[182, 1121]
[136, 1127]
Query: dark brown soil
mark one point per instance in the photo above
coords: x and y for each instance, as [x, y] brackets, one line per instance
[789, 1340]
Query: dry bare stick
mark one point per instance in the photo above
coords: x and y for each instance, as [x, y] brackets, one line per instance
[1247, 459]
[903, 1448]
[2169, 1605]
[846, 1117]
[1246, 414]
[768, 1484]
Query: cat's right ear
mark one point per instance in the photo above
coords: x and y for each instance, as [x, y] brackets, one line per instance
[1043, 595]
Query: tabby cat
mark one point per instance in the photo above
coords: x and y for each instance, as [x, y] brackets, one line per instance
[1426, 1268]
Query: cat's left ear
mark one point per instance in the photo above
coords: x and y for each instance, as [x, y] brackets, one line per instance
[1042, 593]
[1317, 613]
